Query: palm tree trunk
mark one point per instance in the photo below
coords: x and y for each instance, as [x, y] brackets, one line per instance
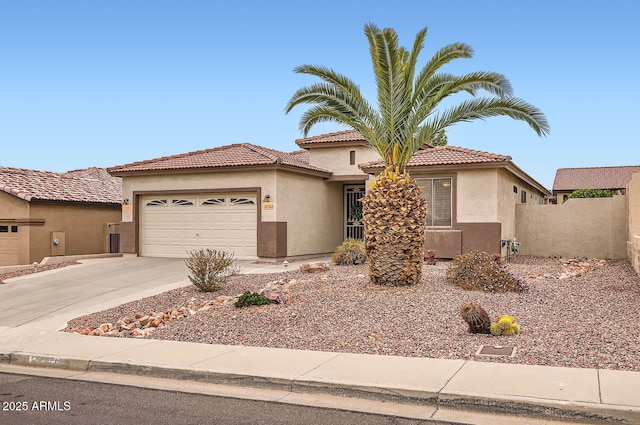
[394, 213]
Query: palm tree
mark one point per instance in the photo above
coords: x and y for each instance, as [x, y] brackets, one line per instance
[407, 118]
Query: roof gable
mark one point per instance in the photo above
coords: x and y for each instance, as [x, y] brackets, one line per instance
[347, 137]
[236, 155]
[447, 155]
[91, 185]
[570, 179]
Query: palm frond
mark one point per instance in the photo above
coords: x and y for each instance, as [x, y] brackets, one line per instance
[483, 108]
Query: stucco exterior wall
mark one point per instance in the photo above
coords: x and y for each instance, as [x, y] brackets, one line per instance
[337, 159]
[593, 228]
[12, 208]
[633, 222]
[477, 197]
[311, 207]
[85, 229]
[313, 210]
[508, 199]
[201, 181]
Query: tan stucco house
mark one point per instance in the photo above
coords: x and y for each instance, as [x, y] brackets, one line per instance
[46, 214]
[267, 204]
[614, 178]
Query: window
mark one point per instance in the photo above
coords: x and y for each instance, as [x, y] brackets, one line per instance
[157, 203]
[4, 229]
[14, 229]
[214, 201]
[515, 189]
[241, 201]
[352, 157]
[523, 196]
[181, 202]
[437, 192]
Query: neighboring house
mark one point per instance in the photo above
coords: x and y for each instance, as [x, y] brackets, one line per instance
[610, 178]
[263, 203]
[49, 214]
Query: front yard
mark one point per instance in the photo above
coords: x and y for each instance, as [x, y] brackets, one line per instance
[588, 321]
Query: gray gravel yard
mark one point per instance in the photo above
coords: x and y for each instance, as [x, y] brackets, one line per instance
[588, 321]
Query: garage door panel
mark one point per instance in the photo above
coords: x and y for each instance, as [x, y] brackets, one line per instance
[171, 228]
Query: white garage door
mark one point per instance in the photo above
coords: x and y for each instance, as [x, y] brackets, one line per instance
[173, 224]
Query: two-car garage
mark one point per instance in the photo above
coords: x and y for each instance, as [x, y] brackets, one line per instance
[172, 224]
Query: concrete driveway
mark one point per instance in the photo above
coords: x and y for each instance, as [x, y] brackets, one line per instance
[53, 297]
[88, 287]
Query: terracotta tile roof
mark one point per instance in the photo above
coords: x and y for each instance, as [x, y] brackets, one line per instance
[236, 155]
[570, 179]
[91, 185]
[340, 136]
[346, 137]
[447, 155]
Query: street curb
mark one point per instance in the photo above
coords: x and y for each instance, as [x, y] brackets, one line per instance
[544, 408]
[528, 406]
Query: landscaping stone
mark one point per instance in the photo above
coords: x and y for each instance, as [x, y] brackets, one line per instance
[278, 291]
[314, 267]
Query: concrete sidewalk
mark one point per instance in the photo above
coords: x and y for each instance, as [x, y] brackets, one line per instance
[437, 387]
[447, 390]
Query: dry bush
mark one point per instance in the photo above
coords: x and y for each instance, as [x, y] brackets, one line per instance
[480, 271]
[210, 268]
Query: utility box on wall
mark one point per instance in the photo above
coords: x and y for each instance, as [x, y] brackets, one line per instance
[57, 244]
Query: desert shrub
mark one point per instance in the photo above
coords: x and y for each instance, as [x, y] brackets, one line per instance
[479, 271]
[591, 193]
[210, 268]
[251, 298]
[350, 252]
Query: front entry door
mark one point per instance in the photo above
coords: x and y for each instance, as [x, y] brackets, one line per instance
[353, 225]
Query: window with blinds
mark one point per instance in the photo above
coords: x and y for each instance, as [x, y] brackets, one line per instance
[437, 192]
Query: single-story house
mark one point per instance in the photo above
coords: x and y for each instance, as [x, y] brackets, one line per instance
[46, 214]
[609, 178]
[261, 203]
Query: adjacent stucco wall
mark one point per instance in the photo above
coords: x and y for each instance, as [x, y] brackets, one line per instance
[337, 159]
[593, 228]
[633, 220]
[13, 208]
[313, 210]
[85, 229]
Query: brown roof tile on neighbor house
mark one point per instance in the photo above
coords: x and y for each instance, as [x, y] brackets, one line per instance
[236, 155]
[570, 179]
[447, 155]
[92, 185]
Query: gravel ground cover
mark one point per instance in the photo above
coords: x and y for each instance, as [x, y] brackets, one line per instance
[5, 276]
[589, 321]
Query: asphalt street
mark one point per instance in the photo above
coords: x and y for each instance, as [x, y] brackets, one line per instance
[36, 400]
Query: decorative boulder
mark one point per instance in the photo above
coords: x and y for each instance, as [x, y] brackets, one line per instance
[314, 267]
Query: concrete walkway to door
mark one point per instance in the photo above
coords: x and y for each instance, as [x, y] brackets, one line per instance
[94, 285]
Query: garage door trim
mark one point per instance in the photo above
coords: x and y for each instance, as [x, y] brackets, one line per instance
[137, 195]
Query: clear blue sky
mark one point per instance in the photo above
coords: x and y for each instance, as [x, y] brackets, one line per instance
[86, 83]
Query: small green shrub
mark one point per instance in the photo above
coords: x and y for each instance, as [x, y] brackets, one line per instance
[251, 298]
[350, 252]
[480, 271]
[591, 193]
[210, 268]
